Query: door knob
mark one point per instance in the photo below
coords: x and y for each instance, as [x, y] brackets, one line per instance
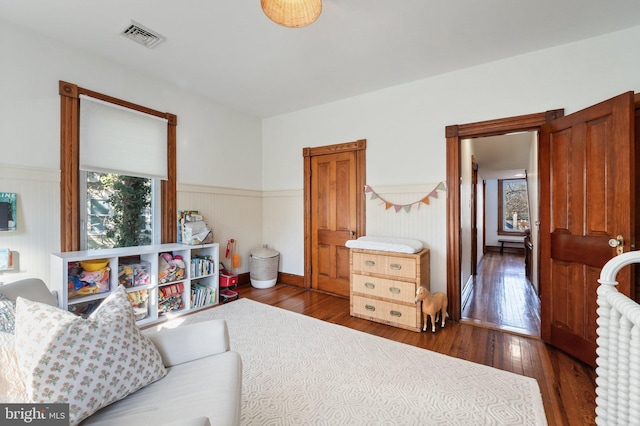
[617, 243]
[352, 233]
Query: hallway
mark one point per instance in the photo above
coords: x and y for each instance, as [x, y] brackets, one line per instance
[502, 297]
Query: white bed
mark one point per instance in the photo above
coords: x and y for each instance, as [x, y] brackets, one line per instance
[618, 381]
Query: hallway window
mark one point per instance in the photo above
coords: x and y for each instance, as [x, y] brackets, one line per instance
[513, 206]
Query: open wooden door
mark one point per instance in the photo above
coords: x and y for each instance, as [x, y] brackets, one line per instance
[334, 213]
[587, 198]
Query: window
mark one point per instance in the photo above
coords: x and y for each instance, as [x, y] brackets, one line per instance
[513, 207]
[119, 210]
[75, 175]
[123, 152]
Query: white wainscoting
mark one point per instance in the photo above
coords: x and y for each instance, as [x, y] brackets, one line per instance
[424, 222]
[284, 228]
[38, 221]
[232, 213]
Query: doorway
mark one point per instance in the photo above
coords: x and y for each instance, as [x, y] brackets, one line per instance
[455, 135]
[581, 211]
[499, 176]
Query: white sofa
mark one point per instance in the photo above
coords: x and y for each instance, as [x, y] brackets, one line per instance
[203, 385]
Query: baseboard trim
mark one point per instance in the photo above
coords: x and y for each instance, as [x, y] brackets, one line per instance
[243, 279]
[291, 279]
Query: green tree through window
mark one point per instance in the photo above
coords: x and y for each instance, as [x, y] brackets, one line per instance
[118, 210]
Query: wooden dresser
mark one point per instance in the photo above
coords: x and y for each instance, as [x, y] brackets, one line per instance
[384, 284]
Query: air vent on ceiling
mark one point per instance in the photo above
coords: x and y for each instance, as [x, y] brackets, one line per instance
[142, 35]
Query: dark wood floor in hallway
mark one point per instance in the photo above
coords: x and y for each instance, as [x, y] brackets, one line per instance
[567, 386]
[502, 297]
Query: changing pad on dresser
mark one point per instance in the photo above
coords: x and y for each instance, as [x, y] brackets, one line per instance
[399, 245]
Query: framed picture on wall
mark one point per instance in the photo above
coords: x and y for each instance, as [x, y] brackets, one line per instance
[8, 212]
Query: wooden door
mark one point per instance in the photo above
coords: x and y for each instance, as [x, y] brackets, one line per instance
[587, 184]
[334, 213]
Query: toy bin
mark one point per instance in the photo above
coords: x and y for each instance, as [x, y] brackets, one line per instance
[140, 302]
[87, 277]
[227, 279]
[228, 284]
[134, 274]
[263, 267]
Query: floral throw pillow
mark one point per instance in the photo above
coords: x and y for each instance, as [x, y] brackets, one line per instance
[7, 314]
[87, 363]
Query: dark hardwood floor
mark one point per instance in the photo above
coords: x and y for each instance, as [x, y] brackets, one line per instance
[567, 386]
[502, 297]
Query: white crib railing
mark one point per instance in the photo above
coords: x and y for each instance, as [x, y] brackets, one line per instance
[618, 371]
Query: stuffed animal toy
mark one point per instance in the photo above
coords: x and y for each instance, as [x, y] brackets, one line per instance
[170, 268]
[95, 281]
[432, 305]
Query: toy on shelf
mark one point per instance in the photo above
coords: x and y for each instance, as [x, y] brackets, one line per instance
[170, 268]
[139, 300]
[88, 277]
[134, 274]
[170, 298]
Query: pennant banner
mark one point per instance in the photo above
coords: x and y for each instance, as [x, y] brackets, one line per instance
[406, 207]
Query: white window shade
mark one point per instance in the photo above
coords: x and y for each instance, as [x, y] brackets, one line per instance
[114, 139]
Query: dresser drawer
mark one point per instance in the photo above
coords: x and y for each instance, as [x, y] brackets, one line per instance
[395, 291]
[384, 265]
[382, 311]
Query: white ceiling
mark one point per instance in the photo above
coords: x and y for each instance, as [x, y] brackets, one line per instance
[230, 52]
[503, 157]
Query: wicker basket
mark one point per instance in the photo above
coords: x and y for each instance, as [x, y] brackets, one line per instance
[263, 267]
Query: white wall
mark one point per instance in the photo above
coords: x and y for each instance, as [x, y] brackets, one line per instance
[466, 152]
[283, 213]
[423, 222]
[466, 213]
[534, 206]
[216, 146]
[38, 219]
[481, 218]
[234, 156]
[404, 125]
[491, 208]
[492, 215]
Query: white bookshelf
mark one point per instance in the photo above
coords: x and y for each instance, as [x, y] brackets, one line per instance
[69, 301]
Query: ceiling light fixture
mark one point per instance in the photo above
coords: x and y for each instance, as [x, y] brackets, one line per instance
[292, 13]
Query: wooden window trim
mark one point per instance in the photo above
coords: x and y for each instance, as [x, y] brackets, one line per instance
[70, 165]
